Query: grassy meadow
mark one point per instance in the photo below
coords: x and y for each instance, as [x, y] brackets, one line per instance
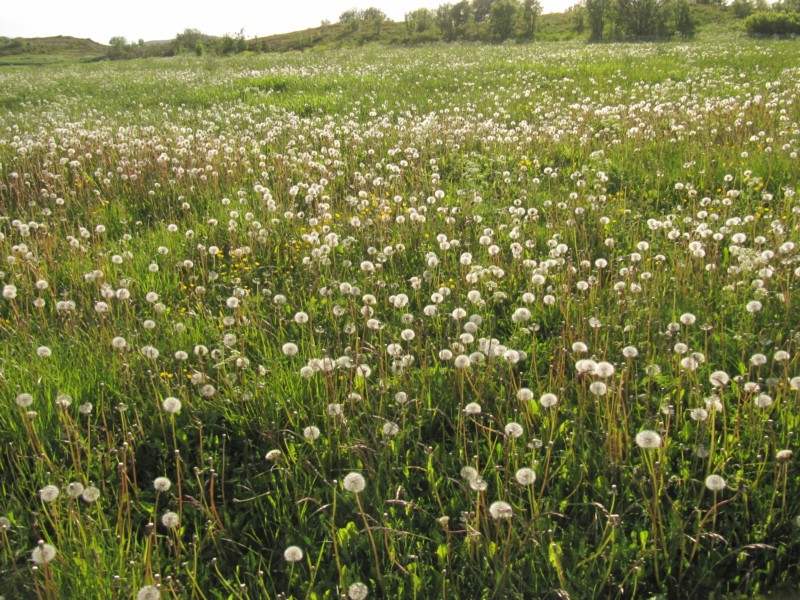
[458, 321]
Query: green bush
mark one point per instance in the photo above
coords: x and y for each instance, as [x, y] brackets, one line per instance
[773, 23]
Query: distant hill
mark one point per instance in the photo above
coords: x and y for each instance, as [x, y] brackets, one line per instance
[552, 26]
[570, 24]
[49, 49]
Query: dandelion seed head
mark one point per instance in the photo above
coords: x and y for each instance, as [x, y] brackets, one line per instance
[472, 409]
[289, 349]
[514, 430]
[525, 476]
[478, 484]
[548, 400]
[754, 306]
[598, 388]
[468, 473]
[49, 493]
[43, 554]
[715, 483]
[763, 401]
[293, 554]
[311, 433]
[500, 510]
[462, 361]
[24, 400]
[782, 356]
[90, 494]
[64, 400]
[630, 352]
[172, 405]
[521, 315]
[162, 484]
[357, 591]
[75, 489]
[604, 370]
[524, 395]
[719, 378]
[354, 482]
[149, 352]
[148, 592]
[648, 439]
[170, 520]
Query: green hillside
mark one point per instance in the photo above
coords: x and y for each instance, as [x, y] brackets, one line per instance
[48, 49]
[571, 24]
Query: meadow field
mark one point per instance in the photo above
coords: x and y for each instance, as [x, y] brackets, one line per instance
[456, 321]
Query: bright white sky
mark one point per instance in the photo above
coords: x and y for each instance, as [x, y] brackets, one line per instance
[162, 19]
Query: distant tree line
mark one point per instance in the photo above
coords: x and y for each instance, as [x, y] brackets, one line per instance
[190, 41]
[487, 21]
[637, 19]
[478, 20]
[781, 18]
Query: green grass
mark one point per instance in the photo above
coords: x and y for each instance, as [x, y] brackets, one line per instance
[330, 252]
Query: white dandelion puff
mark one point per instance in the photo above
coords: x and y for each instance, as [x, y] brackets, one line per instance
[357, 591]
[715, 483]
[172, 405]
[43, 554]
[162, 484]
[525, 476]
[293, 554]
[354, 482]
[500, 510]
[49, 493]
[648, 439]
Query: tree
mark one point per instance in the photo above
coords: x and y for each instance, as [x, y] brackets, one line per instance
[462, 13]
[226, 45]
[187, 41]
[481, 9]
[119, 47]
[643, 18]
[239, 41]
[528, 18]
[375, 16]
[419, 21]
[372, 13]
[349, 15]
[787, 6]
[444, 20]
[502, 18]
[596, 11]
[742, 8]
[684, 22]
[577, 14]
